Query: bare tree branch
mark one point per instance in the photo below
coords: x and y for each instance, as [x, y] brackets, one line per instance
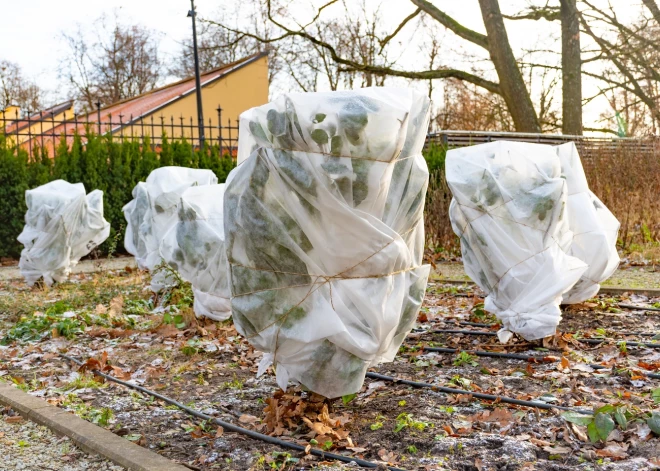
[535, 13]
[352, 65]
[653, 8]
[451, 24]
[405, 21]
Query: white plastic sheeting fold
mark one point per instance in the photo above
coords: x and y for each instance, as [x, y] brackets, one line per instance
[325, 233]
[195, 248]
[595, 229]
[153, 211]
[62, 225]
[532, 234]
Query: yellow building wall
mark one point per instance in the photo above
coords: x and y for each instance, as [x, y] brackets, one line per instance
[239, 91]
[40, 130]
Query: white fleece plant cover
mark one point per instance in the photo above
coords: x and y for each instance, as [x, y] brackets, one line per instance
[509, 209]
[153, 211]
[506, 195]
[195, 248]
[325, 233]
[62, 225]
[595, 229]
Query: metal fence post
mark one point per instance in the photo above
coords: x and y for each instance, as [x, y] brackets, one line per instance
[29, 135]
[98, 115]
[220, 130]
[231, 149]
[52, 131]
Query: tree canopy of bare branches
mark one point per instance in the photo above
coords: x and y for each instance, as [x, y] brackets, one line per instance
[121, 62]
[630, 53]
[16, 89]
[366, 58]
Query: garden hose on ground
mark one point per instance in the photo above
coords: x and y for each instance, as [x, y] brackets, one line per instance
[498, 326]
[316, 452]
[234, 428]
[518, 356]
[591, 341]
[488, 397]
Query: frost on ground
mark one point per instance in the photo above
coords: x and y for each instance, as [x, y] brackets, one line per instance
[27, 446]
[112, 321]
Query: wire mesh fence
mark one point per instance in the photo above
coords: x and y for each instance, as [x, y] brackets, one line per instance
[588, 146]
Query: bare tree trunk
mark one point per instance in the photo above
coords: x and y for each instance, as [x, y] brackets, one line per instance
[513, 87]
[571, 66]
[653, 8]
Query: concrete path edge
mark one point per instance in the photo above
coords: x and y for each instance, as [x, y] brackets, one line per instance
[89, 437]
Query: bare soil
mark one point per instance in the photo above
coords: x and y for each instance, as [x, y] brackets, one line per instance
[112, 318]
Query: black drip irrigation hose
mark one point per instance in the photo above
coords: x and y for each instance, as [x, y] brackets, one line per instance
[493, 326]
[591, 341]
[488, 397]
[235, 428]
[639, 308]
[518, 356]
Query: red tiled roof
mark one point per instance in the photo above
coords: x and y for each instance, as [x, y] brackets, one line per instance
[149, 102]
[144, 104]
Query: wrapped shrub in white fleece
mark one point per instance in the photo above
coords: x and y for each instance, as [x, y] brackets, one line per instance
[195, 248]
[595, 229]
[324, 232]
[62, 225]
[509, 209]
[153, 211]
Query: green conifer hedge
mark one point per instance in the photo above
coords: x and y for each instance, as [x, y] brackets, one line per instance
[102, 162]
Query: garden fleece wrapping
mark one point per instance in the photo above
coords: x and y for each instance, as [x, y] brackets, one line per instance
[532, 234]
[153, 211]
[195, 248]
[324, 231]
[62, 225]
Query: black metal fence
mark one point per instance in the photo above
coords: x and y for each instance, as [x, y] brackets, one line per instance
[45, 131]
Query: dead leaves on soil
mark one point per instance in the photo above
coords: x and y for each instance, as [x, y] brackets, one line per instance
[101, 364]
[286, 412]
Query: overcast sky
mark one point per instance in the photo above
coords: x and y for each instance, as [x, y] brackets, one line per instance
[31, 30]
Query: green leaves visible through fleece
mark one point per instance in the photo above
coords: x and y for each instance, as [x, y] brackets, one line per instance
[320, 136]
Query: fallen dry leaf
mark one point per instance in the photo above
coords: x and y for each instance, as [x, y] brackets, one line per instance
[557, 450]
[387, 456]
[616, 451]
[116, 307]
[248, 419]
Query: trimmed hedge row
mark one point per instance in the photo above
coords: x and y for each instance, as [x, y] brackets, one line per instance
[103, 163]
[115, 167]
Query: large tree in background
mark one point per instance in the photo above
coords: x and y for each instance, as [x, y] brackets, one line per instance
[121, 62]
[370, 60]
[566, 12]
[571, 67]
[16, 89]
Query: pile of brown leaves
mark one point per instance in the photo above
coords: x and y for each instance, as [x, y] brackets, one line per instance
[101, 364]
[295, 413]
